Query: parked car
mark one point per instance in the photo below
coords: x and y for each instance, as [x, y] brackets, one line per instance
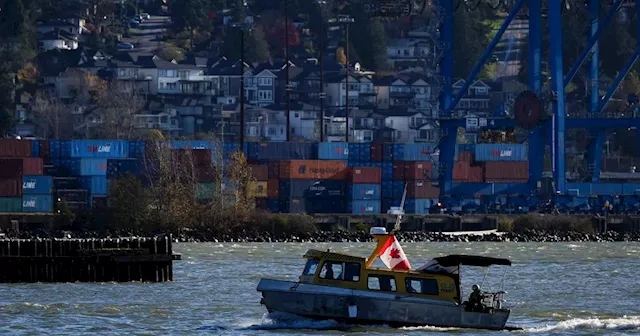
[139, 18]
[124, 45]
[145, 16]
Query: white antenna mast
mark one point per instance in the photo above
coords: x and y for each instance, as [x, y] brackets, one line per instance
[401, 212]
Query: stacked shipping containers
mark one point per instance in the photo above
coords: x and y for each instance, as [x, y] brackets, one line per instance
[260, 186]
[312, 186]
[503, 163]
[365, 192]
[23, 188]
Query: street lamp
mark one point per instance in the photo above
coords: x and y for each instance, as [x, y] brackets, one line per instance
[346, 20]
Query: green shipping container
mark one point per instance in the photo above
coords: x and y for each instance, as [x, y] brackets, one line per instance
[12, 204]
[204, 191]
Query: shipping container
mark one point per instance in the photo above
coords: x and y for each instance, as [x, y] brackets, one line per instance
[313, 169]
[376, 152]
[11, 168]
[37, 203]
[259, 189]
[11, 187]
[66, 183]
[461, 171]
[506, 171]
[93, 167]
[631, 189]
[333, 151]
[45, 150]
[32, 166]
[386, 189]
[311, 189]
[365, 207]
[387, 171]
[273, 205]
[387, 203]
[398, 189]
[60, 149]
[115, 149]
[398, 170]
[11, 204]
[35, 148]
[73, 196]
[366, 175]
[465, 156]
[273, 188]
[191, 144]
[387, 152]
[96, 185]
[360, 152]
[500, 152]
[136, 149]
[274, 169]
[260, 172]
[422, 189]
[287, 151]
[37, 185]
[15, 148]
[120, 167]
[262, 204]
[419, 206]
[417, 170]
[476, 174]
[300, 205]
[418, 151]
[252, 150]
[365, 192]
[205, 191]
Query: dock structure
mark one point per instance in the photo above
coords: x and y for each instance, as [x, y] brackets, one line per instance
[87, 260]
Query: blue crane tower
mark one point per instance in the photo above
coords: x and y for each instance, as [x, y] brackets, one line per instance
[541, 110]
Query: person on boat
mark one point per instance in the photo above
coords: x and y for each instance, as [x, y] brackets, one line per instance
[475, 299]
[329, 274]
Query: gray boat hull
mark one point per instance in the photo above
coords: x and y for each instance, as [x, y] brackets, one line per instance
[368, 307]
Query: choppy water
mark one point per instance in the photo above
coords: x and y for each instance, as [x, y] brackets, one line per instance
[554, 289]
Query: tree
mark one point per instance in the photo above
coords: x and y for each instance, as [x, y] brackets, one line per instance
[370, 40]
[255, 47]
[129, 202]
[191, 14]
[7, 105]
[241, 177]
[118, 107]
[277, 35]
[471, 36]
[52, 116]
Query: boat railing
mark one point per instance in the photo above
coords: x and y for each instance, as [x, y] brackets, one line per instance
[493, 300]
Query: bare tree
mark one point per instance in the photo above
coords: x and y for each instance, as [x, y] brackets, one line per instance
[119, 104]
[52, 116]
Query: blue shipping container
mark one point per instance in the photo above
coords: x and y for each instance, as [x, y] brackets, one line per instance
[37, 185]
[387, 203]
[35, 148]
[60, 148]
[93, 167]
[418, 151]
[365, 192]
[37, 203]
[287, 151]
[136, 149]
[311, 189]
[365, 207]
[501, 152]
[398, 189]
[273, 206]
[360, 152]
[190, 144]
[119, 167]
[333, 151]
[96, 185]
[99, 149]
[419, 206]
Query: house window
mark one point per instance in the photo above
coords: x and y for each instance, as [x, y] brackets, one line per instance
[296, 115]
[422, 286]
[183, 74]
[342, 271]
[164, 119]
[172, 86]
[264, 95]
[385, 283]
[265, 81]
[272, 131]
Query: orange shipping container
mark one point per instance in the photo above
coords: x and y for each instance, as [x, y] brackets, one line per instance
[465, 156]
[417, 170]
[366, 175]
[273, 188]
[313, 170]
[260, 172]
[422, 189]
[506, 171]
[32, 166]
[476, 174]
[399, 170]
[15, 148]
[461, 171]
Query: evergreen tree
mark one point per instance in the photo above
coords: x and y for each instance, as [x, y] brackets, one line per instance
[370, 40]
[7, 105]
[471, 38]
[256, 48]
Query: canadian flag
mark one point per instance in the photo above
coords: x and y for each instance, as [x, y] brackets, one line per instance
[393, 256]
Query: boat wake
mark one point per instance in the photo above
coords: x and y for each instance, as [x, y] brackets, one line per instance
[624, 323]
[275, 321]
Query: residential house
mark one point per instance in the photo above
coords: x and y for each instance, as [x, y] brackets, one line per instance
[259, 85]
[403, 121]
[304, 122]
[406, 52]
[476, 100]
[265, 124]
[46, 26]
[363, 126]
[57, 39]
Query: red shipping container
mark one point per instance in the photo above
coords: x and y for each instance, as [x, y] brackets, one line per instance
[506, 171]
[273, 188]
[366, 175]
[417, 170]
[465, 156]
[11, 187]
[399, 170]
[422, 189]
[461, 171]
[11, 168]
[32, 166]
[376, 152]
[206, 174]
[476, 174]
[260, 172]
[201, 157]
[274, 169]
[313, 169]
[45, 149]
[15, 148]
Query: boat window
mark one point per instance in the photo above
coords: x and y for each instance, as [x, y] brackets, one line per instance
[333, 270]
[385, 283]
[422, 286]
[311, 267]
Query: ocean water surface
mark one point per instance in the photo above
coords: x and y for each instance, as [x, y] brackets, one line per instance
[553, 289]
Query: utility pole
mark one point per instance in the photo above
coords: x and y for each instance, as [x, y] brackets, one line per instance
[241, 27]
[346, 20]
[286, 69]
[322, 94]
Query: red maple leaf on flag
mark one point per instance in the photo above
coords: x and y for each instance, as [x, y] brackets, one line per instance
[394, 253]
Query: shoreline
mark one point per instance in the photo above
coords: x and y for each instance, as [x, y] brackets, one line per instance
[254, 236]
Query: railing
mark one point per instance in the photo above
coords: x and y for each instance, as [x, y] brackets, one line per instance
[493, 300]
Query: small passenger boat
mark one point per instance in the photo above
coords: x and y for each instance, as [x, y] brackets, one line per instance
[345, 288]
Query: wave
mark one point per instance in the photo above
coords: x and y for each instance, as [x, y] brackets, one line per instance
[277, 320]
[623, 323]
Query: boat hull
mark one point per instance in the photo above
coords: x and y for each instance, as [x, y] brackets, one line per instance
[368, 307]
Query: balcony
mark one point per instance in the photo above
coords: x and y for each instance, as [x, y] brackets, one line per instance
[401, 94]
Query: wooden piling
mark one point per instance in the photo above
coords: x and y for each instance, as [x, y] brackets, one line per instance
[86, 260]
